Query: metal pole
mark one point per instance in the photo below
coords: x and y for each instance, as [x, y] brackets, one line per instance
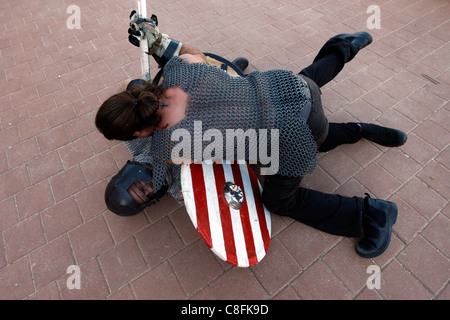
[145, 58]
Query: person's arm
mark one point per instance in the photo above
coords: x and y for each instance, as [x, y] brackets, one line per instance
[187, 53]
[194, 54]
[160, 45]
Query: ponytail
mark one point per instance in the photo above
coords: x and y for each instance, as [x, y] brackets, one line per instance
[127, 112]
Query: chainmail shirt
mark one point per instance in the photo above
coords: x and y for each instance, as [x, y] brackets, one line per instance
[262, 100]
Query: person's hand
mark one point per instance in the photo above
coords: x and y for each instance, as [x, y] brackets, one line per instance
[160, 45]
[143, 28]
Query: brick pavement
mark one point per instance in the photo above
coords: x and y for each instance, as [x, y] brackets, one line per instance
[54, 165]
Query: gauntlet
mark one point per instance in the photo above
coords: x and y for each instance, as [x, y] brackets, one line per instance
[161, 47]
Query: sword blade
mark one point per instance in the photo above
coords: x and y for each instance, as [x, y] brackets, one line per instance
[145, 58]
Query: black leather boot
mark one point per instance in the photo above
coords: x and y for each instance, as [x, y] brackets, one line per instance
[358, 39]
[378, 218]
[241, 63]
[384, 136]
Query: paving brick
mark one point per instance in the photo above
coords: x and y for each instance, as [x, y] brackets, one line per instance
[17, 179]
[14, 116]
[433, 133]
[362, 110]
[32, 127]
[348, 267]
[73, 77]
[304, 243]
[363, 152]
[122, 263]
[93, 285]
[22, 152]
[159, 283]
[34, 199]
[16, 280]
[398, 284]
[436, 176]
[49, 86]
[44, 166]
[90, 239]
[94, 172]
[50, 261]
[320, 180]
[41, 106]
[418, 149]
[159, 241]
[23, 238]
[340, 166]
[195, 266]
[182, 223]
[444, 158]
[440, 225]
[413, 110]
[124, 227]
[52, 139]
[60, 218]
[394, 119]
[245, 286]
[378, 181]
[287, 268]
[79, 127]
[423, 199]
[86, 104]
[399, 164]
[426, 263]
[63, 189]
[409, 221]
[60, 115]
[319, 283]
[8, 212]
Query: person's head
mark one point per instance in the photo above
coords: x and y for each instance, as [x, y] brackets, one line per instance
[131, 190]
[125, 115]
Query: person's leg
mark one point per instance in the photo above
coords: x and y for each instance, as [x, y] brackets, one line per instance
[334, 214]
[334, 55]
[340, 133]
[346, 133]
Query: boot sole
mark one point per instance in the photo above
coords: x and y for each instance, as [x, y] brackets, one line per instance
[391, 220]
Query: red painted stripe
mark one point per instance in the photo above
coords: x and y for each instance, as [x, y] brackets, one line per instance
[227, 226]
[259, 207]
[201, 206]
[245, 219]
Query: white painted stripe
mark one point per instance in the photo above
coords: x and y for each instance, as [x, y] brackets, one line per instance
[254, 220]
[238, 232]
[215, 223]
[266, 213]
[188, 193]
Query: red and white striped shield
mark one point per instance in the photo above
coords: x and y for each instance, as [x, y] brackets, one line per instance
[240, 237]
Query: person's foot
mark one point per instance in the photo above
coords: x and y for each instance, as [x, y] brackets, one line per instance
[359, 39]
[241, 63]
[384, 136]
[378, 218]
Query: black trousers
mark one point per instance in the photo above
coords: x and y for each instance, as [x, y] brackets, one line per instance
[282, 195]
